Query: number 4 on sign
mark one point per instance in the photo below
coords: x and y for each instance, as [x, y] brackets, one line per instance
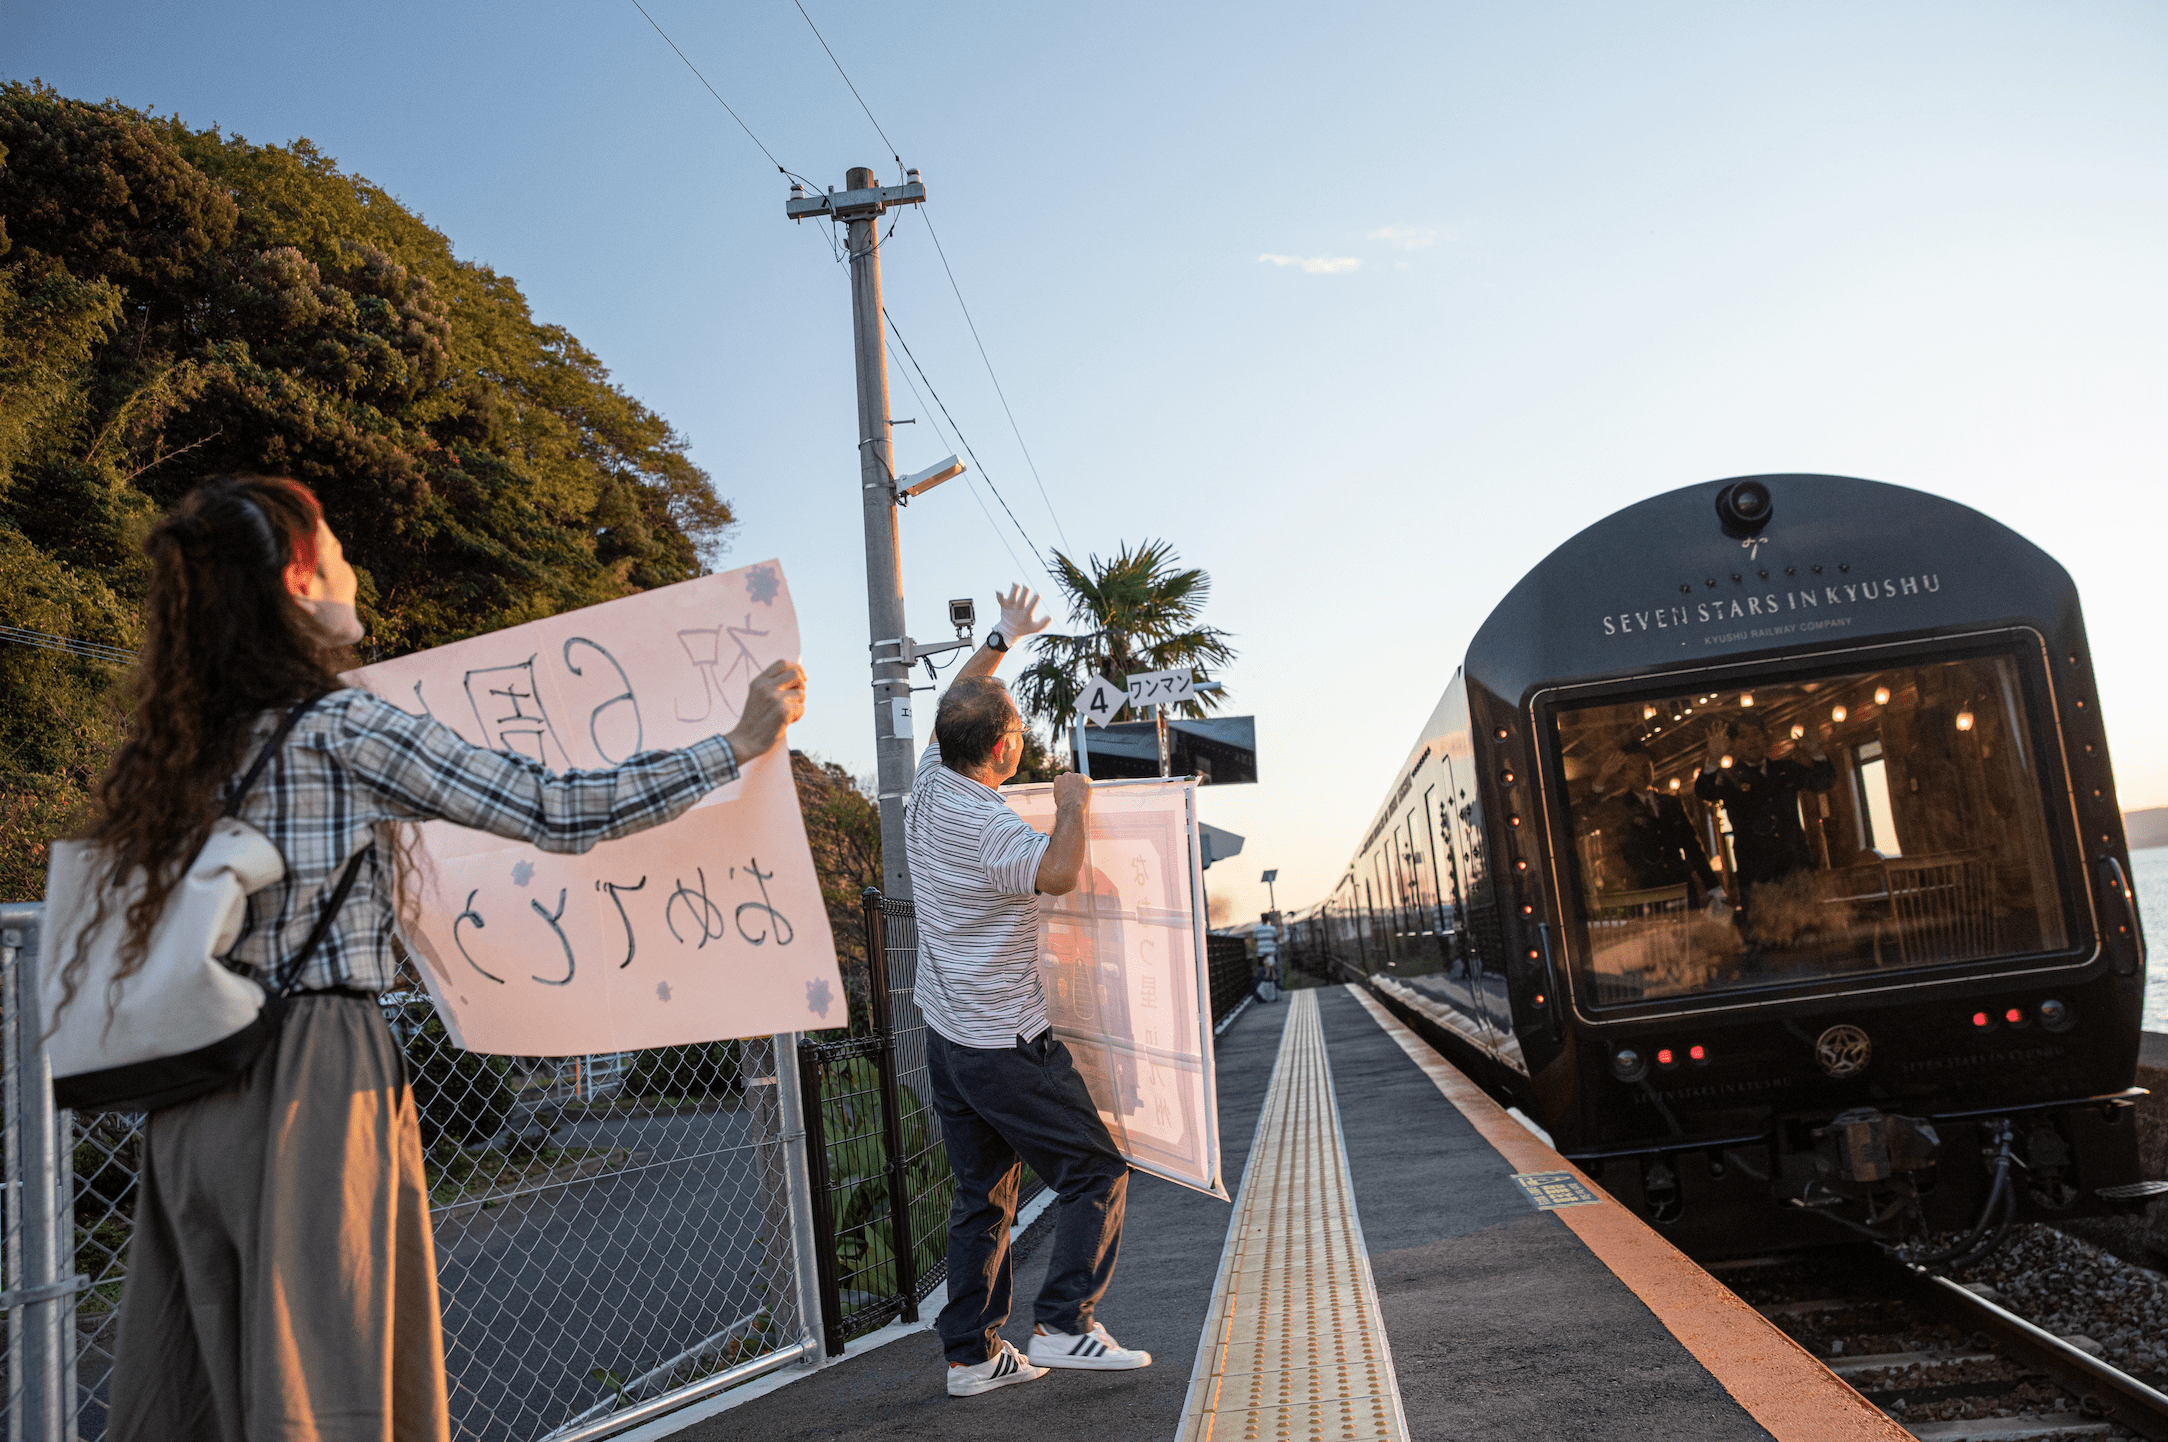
[1101, 702]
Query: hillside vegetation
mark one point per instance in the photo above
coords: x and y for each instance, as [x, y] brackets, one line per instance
[176, 301]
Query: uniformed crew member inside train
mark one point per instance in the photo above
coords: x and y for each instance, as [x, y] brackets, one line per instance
[1659, 843]
[1760, 797]
[1004, 1088]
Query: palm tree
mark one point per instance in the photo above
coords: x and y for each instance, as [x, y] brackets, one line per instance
[1141, 608]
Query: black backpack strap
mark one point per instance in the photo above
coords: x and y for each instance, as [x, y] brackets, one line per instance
[263, 757]
[291, 971]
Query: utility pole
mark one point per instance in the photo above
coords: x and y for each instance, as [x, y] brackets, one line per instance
[859, 207]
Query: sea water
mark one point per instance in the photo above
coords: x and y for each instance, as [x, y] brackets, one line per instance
[2149, 878]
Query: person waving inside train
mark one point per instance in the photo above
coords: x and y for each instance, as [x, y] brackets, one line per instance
[1005, 1089]
[1760, 797]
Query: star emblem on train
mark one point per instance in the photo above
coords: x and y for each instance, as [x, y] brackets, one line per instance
[1843, 1050]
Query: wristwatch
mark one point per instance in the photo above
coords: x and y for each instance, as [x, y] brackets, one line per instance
[995, 641]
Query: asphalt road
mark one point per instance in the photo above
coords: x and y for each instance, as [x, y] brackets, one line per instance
[616, 1272]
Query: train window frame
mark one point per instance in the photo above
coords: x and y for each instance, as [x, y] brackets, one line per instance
[2025, 646]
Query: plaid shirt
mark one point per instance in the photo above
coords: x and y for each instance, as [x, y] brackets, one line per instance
[355, 762]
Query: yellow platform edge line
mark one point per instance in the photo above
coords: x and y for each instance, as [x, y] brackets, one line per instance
[1300, 1089]
[1783, 1386]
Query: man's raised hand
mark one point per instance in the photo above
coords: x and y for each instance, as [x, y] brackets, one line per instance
[774, 700]
[1719, 734]
[1017, 615]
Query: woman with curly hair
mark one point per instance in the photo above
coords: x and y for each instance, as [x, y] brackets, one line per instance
[281, 1276]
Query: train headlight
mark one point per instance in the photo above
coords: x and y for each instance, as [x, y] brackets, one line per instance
[1744, 507]
[1629, 1065]
[2055, 1016]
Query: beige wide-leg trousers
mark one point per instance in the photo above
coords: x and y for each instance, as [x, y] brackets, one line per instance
[282, 1284]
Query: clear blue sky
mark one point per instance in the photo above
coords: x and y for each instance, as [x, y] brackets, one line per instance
[1559, 257]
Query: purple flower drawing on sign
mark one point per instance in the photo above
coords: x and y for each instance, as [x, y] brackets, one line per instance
[762, 583]
[818, 998]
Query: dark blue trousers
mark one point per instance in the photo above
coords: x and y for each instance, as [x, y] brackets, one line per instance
[1000, 1109]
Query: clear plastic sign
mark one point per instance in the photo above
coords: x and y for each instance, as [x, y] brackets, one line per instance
[1122, 962]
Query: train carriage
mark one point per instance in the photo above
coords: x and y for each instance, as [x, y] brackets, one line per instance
[1765, 853]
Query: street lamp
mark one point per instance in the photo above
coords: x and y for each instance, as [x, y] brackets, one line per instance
[1271, 891]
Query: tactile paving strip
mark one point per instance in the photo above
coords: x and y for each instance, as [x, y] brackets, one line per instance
[1294, 1347]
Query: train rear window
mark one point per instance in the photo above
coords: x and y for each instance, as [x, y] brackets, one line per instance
[1797, 831]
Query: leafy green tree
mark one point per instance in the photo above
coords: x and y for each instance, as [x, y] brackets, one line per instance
[1141, 608]
[843, 831]
[176, 302]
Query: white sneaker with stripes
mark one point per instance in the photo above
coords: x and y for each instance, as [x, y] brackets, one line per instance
[1094, 1351]
[1004, 1369]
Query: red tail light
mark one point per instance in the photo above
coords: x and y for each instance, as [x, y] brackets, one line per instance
[1982, 1020]
[1665, 1056]
[1695, 1053]
[2014, 1015]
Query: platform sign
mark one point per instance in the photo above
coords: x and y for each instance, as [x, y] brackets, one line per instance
[1548, 1191]
[1101, 702]
[1122, 962]
[706, 927]
[1161, 688]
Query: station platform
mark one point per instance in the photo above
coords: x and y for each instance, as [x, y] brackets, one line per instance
[1386, 1271]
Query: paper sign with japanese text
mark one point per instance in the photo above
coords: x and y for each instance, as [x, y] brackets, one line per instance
[1122, 963]
[706, 927]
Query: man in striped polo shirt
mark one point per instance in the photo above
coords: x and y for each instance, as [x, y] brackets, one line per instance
[1005, 1089]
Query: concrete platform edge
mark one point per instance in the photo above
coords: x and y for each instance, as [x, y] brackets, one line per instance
[672, 1423]
[1781, 1385]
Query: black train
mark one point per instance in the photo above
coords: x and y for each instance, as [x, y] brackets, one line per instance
[1938, 958]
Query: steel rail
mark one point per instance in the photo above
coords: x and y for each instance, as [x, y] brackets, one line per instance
[2121, 1397]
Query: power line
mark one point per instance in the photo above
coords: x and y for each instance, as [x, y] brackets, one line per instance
[970, 481]
[749, 135]
[965, 441]
[95, 650]
[1013, 428]
[892, 152]
[953, 286]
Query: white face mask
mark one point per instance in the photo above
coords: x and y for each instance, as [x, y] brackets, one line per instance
[337, 624]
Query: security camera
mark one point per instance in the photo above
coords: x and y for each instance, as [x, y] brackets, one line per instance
[963, 615]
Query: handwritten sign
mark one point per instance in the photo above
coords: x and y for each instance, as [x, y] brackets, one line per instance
[1161, 688]
[1122, 963]
[706, 927]
[1101, 702]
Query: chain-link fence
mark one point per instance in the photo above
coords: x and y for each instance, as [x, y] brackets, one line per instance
[615, 1234]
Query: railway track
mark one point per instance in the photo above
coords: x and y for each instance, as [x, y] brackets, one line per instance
[1944, 1359]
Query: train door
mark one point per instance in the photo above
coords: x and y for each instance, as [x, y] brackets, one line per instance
[1450, 980]
[1423, 957]
[1455, 903]
[1486, 932]
[1437, 919]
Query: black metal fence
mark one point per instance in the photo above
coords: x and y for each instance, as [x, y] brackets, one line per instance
[880, 1175]
[1233, 974]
